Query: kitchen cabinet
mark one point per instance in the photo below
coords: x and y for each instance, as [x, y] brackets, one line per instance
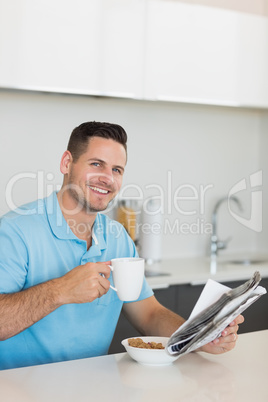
[182, 298]
[121, 45]
[205, 55]
[252, 60]
[190, 53]
[144, 49]
[86, 47]
[50, 45]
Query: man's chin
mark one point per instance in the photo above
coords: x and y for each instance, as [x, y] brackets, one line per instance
[95, 208]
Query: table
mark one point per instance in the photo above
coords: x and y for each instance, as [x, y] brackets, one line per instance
[239, 375]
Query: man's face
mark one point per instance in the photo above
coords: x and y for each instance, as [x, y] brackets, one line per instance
[96, 177]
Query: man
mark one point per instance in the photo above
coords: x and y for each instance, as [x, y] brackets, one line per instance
[55, 297]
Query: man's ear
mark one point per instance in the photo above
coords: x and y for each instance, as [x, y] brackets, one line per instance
[66, 162]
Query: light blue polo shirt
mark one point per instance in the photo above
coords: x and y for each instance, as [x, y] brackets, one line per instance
[36, 245]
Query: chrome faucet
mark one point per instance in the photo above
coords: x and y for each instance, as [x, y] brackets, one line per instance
[217, 244]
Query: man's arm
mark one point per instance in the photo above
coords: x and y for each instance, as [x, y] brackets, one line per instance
[149, 317]
[20, 310]
[82, 284]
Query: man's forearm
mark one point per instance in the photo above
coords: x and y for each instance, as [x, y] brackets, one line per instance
[19, 311]
[149, 317]
[164, 323]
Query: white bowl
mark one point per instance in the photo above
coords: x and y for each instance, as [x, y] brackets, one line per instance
[150, 357]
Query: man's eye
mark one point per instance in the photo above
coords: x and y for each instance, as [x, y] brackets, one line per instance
[117, 170]
[95, 164]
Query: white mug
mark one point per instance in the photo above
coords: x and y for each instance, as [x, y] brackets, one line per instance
[128, 274]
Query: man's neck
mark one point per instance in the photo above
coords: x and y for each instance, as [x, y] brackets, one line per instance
[81, 223]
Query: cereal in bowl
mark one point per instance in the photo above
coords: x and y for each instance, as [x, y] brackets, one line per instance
[138, 343]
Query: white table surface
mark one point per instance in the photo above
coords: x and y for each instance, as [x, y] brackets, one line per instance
[239, 375]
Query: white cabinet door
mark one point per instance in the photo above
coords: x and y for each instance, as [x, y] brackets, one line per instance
[190, 53]
[50, 44]
[82, 46]
[122, 47]
[252, 57]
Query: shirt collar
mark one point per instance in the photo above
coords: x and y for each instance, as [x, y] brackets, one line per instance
[98, 233]
[62, 230]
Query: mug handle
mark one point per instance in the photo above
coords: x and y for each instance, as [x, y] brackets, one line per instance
[104, 277]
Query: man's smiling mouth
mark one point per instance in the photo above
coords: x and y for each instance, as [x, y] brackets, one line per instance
[99, 190]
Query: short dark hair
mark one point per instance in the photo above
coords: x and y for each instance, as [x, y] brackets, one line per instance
[81, 135]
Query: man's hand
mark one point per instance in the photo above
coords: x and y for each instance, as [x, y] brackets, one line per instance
[84, 283]
[226, 341]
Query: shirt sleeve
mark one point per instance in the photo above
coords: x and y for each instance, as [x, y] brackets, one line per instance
[146, 291]
[13, 257]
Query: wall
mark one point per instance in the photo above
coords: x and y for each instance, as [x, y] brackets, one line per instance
[263, 238]
[259, 7]
[170, 145]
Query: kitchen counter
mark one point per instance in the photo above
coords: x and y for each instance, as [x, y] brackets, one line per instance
[196, 271]
[239, 375]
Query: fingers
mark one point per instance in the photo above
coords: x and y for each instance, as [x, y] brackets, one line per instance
[227, 340]
[98, 274]
[104, 284]
[233, 327]
[103, 268]
[227, 337]
[230, 330]
[84, 283]
[239, 320]
[222, 344]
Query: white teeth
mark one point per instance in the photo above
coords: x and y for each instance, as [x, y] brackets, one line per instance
[99, 190]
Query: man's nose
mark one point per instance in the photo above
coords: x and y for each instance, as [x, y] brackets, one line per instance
[106, 176]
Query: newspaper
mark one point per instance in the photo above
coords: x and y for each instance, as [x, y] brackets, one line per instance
[215, 309]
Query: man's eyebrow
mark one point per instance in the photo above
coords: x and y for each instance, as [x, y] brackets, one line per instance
[96, 160]
[102, 161]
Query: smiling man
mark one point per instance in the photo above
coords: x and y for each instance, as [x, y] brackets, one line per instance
[55, 298]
